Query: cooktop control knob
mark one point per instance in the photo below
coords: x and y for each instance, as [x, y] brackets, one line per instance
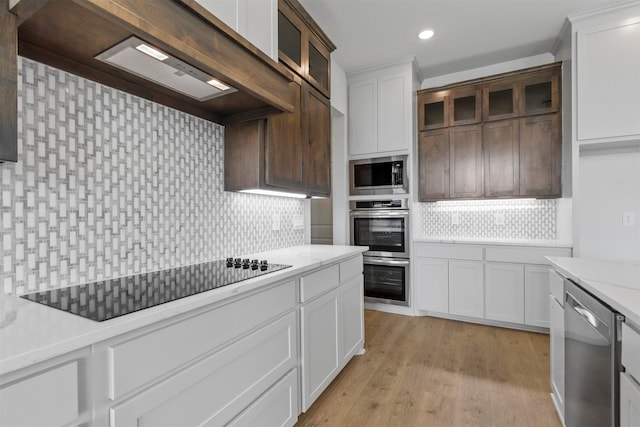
[237, 263]
[254, 264]
[229, 262]
[263, 265]
[245, 263]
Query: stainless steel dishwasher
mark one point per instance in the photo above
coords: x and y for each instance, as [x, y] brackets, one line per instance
[592, 360]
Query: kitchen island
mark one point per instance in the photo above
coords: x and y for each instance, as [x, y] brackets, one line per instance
[290, 330]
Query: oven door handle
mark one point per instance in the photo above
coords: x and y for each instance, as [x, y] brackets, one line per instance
[386, 261]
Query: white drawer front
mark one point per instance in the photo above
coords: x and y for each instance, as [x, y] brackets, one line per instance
[48, 399]
[629, 401]
[137, 361]
[218, 388]
[556, 287]
[350, 268]
[277, 407]
[318, 283]
[631, 351]
[528, 255]
[450, 251]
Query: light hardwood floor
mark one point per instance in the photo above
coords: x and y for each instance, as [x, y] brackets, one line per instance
[425, 371]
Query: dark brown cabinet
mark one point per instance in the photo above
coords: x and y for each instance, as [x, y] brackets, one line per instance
[289, 152]
[454, 159]
[303, 46]
[8, 86]
[502, 136]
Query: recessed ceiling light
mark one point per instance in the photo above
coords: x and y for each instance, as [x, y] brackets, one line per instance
[426, 34]
[152, 52]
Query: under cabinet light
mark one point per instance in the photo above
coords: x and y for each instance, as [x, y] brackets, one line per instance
[426, 34]
[218, 84]
[152, 52]
[274, 193]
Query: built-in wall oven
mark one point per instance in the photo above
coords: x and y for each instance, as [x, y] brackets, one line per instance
[383, 226]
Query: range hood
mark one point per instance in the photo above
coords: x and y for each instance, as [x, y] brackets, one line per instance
[209, 71]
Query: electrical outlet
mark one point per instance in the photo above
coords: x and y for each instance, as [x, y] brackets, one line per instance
[275, 222]
[455, 218]
[298, 222]
[628, 219]
[499, 219]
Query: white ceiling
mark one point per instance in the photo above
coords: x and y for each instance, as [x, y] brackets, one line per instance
[469, 33]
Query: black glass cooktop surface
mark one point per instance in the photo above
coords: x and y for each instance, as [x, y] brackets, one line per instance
[107, 299]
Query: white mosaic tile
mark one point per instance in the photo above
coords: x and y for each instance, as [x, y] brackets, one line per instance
[110, 184]
[529, 219]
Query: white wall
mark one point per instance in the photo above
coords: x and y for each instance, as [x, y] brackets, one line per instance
[338, 87]
[609, 186]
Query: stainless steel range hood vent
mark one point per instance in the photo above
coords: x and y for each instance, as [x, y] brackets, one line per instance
[140, 58]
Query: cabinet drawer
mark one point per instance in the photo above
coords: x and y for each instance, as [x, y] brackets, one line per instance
[521, 255]
[556, 287]
[631, 351]
[318, 283]
[47, 399]
[277, 407]
[350, 268]
[450, 251]
[218, 388]
[137, 361]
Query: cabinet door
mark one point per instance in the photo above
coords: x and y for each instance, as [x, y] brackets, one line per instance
[317, 149]
[8, 86]
[465, 106]
[608, 89]
[466, 288]
[540, 93]
[318, 65]
[363, 117]
[433, 165]
[465, 174]
[320, 346]
[283, 145]
[629, 401]
[352, 321]
[501, 154]
[536, 291]
[433, 110]
[556, 331]
[291, 38]
[432, 284]
[393, 128]
[540, 156]
[504, 292]
[500, 101]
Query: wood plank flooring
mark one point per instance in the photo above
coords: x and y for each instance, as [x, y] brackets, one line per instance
[425, 371]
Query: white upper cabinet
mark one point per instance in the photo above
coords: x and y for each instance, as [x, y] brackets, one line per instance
[607, 66]
[381, 109]
[255, 20]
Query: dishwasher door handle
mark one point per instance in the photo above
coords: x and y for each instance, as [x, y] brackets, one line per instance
[593, 320]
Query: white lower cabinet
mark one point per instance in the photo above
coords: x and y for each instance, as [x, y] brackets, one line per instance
[556, 332]
[320, 346]
[331, 323]
[45, 395]
[213, 391]
[432, 293]
[504, 292]
[629, 401]
[466, 288]
[498, 284]
[536, 293]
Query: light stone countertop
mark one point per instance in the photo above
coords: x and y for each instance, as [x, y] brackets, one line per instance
[615, 283]
[487, 241]
[31, 332]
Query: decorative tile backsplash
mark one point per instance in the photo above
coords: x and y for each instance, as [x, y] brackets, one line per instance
[525, 219]
[109, 184]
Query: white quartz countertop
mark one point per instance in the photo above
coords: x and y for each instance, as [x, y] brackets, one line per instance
[487, 241]
[31, 332]
[615, 283]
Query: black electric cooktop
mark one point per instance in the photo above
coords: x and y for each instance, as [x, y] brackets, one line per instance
[105, 300]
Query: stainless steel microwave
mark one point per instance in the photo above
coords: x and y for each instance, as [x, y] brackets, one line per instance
[382, 175]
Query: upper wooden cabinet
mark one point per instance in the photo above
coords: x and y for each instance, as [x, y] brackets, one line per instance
[8, 86]
[303, 46]
[494, 137]
[445, 108]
